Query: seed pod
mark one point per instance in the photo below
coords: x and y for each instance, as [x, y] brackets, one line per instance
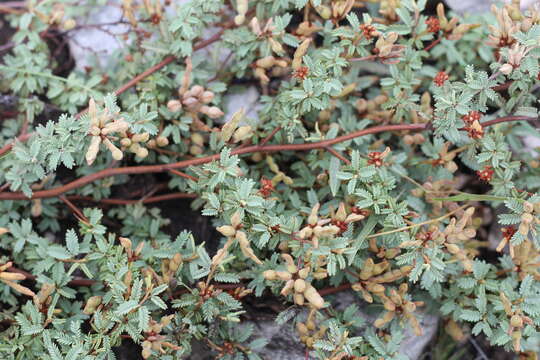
[226, 230]
[341, 213]
[126, 243]
[299, 285]
[408, 139]
[142, 153]
[451, 166]
[300, 52]
[324, 11]
[242, 133]
[242, 8]
[276, 46]
[162, 141]
[248, 251]
[140, 137]
[91, 305]
[270, 275]
[260, 74]
[284, 275]
[195, 91]
[195, 150]
[347, 90]
[190, 102]
[115, 126]
[313, 297]
[11, 276]
[516, 321]
[92, 112]
[453, 248]
[298, 299]
[116, 152]
[266, 62]
[3, 230]
[213, 112]
[419, 138]
[93, 149]
[126, 142]
[207, 97]
[37, 208]
[236, 219]
[146, 353]
[313, 217]
[303, 273]
[230, 126]
[302, 328]
[287, 288]
[218, 258]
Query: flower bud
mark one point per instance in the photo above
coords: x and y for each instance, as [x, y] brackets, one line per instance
[142, 153]
[516, 321]
[313, 297]
[115, 126]
[92, 304]
[506, 69]
[206, 97]
[303, 273]
[162, 141]
[4, 275]
[242, 133]
[93, 150]
[299, 285]
[195, 91]
[270, 275]
[266, 62]
[213, 112]
[116, 152]
[140, 137]
[126, 142]
[276, 46]
[298, 298]
[287, 288]
[227, 230]
[284, 275]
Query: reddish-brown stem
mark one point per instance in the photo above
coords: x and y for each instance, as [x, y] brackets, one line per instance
[502, 87]
[144, 169]
[149, 200]
[433, 44]
[76, 211]
[270, 136]
[182, 174]
[338, 155]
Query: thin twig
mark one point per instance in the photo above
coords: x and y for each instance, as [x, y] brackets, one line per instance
[433, 44]
[338, 155]
[417, 225]
[145, 169]
[148, 200]
[270, 136]
[76, 211]
[182, 174]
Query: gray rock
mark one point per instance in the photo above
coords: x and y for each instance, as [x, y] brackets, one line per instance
[247, 98]
[89, 43]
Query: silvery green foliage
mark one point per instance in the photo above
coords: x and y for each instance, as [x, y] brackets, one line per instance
[409, 193]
